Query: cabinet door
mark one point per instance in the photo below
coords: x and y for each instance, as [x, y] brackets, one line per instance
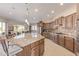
[56, 38]
[61, 40]
[41, 47]
[60, 21]
[69, 43]
[74, 20]
[69, 22]
[35, 51]
[77, 48]
[63, 22]
[27, 50]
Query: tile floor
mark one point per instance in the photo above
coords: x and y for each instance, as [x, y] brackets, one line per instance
[52, 49]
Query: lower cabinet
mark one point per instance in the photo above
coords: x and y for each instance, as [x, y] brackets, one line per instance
[37, 48]
[69, 43]
[61, 40]
[34, 49]
[41, 47]
[64, 41]
[25, 52]
[56, 39]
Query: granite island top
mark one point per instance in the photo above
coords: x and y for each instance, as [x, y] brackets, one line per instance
[26, 39]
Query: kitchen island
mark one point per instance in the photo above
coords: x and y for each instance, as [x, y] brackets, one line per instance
[32, 45]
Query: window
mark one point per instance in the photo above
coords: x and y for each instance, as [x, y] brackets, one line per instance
[2, 27]
[34, 27]
[34, 31]
[19, 28]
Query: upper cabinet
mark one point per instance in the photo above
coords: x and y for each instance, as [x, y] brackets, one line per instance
[63, 21]
[46, 25]
[74, 20]
[70, 21]
[59, 21]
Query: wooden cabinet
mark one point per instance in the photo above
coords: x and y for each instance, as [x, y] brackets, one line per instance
[46, 25]
[69, 43]
[59, 21]
[69, 22]
[56, 39]
[35, 44]
[51, 25]
[74, 20]
[77, 48]
[41, 47]
[61, 40]
[64, 41]
[63, 22]
[37, 48]
[25, 52]
[34, 49]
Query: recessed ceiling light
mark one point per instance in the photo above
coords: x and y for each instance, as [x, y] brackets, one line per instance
[36, 10]
[52, 11]
[61, 4]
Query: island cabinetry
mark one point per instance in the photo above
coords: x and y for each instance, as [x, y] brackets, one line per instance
[25, 52]
[41, 47]
[33, 49]
[37, 48]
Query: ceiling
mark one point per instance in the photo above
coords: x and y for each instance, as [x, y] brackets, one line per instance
[18, 11]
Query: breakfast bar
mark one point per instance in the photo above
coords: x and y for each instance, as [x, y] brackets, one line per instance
[32, 46]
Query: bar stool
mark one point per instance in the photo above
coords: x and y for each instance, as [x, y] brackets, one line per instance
[10, 51]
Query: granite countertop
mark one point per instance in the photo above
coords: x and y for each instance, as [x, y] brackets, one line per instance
[26, 39]
[65, 34]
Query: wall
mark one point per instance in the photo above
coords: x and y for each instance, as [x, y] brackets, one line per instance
[69, 11]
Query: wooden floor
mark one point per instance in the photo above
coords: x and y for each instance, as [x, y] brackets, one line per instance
[52, 49]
